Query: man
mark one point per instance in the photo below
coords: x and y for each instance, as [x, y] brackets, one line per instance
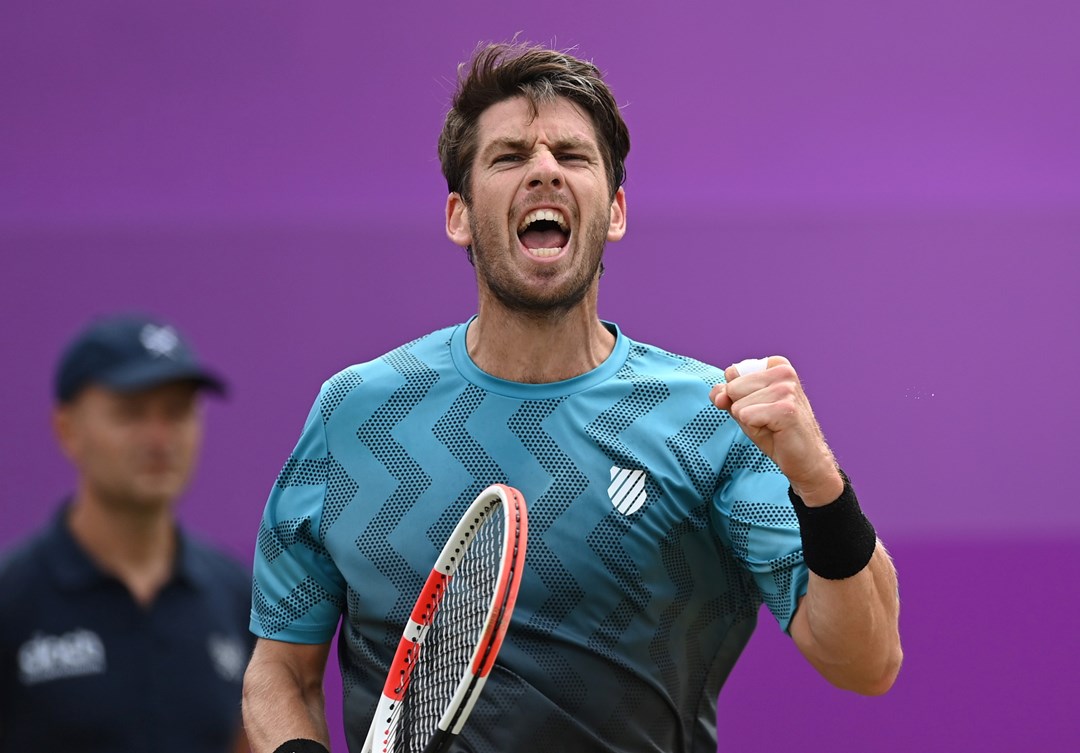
[629, 617]
[120, 632]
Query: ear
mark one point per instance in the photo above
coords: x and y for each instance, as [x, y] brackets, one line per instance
[63, 426]
[457, 220]
[617, 226]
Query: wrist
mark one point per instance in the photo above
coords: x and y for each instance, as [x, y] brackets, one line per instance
[838, 539]
[822, 485]
[822, 493]
[301, 745]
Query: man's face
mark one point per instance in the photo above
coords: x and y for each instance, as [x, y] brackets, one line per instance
[133, 451]
[541, 210]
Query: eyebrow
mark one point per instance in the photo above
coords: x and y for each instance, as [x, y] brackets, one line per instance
[518, 144]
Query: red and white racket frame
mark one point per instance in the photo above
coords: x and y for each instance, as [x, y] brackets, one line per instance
[501, 606]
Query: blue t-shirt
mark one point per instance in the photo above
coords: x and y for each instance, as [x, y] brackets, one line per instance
[84, 668]
[656, 530]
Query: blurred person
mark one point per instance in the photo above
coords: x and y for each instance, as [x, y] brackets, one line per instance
[119, 631]
[632, 610]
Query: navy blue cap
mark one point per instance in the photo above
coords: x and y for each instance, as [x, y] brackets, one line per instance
[129, 353]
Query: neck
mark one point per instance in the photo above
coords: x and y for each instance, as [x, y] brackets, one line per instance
[137, 549]
[538, 349]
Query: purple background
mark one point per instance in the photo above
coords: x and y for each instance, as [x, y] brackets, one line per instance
[889, 194]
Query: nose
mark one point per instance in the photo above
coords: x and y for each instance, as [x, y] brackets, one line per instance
[159, 431]
[545, 170]
[164, 426]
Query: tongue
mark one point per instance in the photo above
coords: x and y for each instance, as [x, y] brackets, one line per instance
[549, 238]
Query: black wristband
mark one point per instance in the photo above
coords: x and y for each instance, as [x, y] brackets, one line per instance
[301, 745]
[838, 540]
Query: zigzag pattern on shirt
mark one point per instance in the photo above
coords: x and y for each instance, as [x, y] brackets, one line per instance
[737, 602]
[307, 594]
[686, 446]
[365, 653]
[337, 388]
[565, 593]
[646, 395]
[301, 472]
[606, 539]
[412, 481]
[340, 487]
[707, 373]
[606, 428]
[780, 602]
[783, 515]
[340, 490]
[273, 542]
[296, 472]
[451, 429]
[739, 599]
[747, 456]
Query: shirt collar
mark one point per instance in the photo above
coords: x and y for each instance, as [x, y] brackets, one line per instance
[74, 569]
[548, 390]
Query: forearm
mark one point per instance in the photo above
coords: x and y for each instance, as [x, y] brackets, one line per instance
[847, 623]
[282, 704]
[849, 629]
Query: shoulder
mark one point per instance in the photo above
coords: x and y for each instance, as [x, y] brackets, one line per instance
[24, 567]
[221, 585]
[417, 353]
[372, 380]
[212, 566]
[655, 362]
[25, 557]
[432, 343]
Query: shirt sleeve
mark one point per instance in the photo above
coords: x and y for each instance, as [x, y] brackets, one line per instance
[298, 594]
[762, 528]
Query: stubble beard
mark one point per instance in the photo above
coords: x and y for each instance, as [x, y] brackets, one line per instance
[517, 294]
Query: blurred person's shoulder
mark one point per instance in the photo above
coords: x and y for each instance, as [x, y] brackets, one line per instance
[211, 566]
[28, 580]
[25, 560]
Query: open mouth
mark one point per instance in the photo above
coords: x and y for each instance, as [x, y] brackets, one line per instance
[544, 232]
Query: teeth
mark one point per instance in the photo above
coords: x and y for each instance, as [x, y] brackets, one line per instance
[544, 252]
[551, 215]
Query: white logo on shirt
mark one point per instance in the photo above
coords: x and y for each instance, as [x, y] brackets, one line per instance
[161, 341]
[228, 656]
[627, 489]
[53, 657]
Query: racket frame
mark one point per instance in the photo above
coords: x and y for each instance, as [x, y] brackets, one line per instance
[511, 505]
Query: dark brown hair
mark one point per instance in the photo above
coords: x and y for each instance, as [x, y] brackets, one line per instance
[499, 72]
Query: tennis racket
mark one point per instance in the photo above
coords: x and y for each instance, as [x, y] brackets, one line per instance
[456, 628]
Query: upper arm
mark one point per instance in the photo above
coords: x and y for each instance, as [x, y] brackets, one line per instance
[306, 662]
[757, 522]
[298, 594]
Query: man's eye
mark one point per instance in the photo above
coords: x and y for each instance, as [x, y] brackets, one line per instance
[508, 158]
[127, 412]
[573, 158]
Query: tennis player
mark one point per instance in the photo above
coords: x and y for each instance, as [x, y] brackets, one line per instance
[668, 498]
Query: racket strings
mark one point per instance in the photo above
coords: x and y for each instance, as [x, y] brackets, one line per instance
[456, 627]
